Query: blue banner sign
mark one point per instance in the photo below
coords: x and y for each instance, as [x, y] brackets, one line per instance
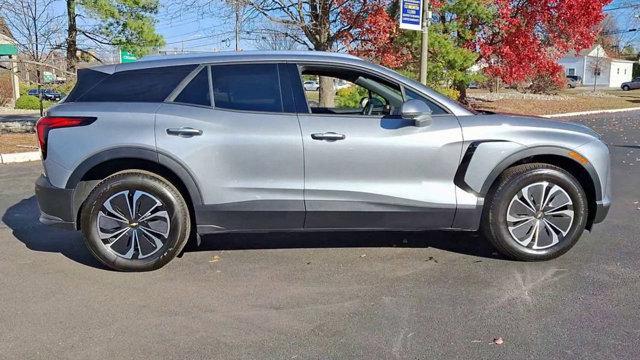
[411, 14]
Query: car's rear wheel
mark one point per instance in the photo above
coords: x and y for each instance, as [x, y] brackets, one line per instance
[535, 212]
[135, 221]
[625, 88]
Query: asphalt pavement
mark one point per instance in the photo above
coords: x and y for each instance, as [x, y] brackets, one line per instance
[340, 295]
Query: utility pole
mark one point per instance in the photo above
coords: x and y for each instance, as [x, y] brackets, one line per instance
[424, 52]
[237, 9]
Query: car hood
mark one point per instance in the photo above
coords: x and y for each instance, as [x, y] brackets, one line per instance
[524, 129]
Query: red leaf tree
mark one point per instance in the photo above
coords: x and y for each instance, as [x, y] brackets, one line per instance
[525, 39]
[531, 36]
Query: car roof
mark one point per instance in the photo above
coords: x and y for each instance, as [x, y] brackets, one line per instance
[230, 56]
[319, 57]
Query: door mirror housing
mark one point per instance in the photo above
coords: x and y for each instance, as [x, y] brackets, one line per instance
[417, 111]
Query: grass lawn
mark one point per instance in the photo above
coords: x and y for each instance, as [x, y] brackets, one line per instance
[570, 100]
[13, 143]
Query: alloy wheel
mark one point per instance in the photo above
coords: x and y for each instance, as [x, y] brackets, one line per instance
[540, 215]
[133, 224]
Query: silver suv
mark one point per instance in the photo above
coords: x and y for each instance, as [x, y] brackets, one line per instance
[144, 156]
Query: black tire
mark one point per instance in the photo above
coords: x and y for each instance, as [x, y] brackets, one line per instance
[495, 226]
[625, 88]
[177, 233]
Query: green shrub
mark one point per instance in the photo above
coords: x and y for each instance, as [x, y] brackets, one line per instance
[452, 93]
[350, 97]
[28, 102]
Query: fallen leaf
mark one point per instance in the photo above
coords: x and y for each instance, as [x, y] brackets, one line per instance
[363, 255]
[498, 341]
[215, 258]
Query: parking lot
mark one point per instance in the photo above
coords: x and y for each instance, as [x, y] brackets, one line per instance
[331, 295]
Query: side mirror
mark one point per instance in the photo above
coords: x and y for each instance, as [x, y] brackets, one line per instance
[417, 111]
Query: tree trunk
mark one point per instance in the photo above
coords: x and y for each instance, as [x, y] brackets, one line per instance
[327, 92]
[72, 36]
[462, 89]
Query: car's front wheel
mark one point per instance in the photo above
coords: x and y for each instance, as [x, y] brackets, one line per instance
[625, 88]
[535, 212]
[135, 221]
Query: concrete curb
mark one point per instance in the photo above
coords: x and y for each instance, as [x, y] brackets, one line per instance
[19, 157]
[591, 112]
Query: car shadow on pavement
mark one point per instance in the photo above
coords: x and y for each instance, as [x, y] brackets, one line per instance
[466, 243]
[22, 219]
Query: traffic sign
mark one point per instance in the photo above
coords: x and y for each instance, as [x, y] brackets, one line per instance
[127, 57]
[411, 14]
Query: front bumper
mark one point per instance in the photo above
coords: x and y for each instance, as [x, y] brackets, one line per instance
[602, 209]
[56, 205]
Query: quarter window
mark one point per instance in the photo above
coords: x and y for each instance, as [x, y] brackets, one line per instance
[254, 87]
[435, 109]
[197, 91]
[144, 85]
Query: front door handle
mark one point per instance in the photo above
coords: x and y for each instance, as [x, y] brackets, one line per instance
[184, 132]
[329, 136]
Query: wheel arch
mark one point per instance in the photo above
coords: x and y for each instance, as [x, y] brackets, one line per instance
[558, 156]
[101, 165]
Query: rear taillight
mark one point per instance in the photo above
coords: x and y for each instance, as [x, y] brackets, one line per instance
[48, 123]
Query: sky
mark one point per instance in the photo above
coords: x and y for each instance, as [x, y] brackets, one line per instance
[211, 29]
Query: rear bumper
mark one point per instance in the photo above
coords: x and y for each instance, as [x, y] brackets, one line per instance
[56, 205]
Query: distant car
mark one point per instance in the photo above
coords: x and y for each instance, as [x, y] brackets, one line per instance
[341, 84]
[311, 85]
[631, 85]
[47, 94]
[574, 81]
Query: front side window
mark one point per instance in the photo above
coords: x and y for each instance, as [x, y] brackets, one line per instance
[345, 92]
[249, 87]
[435, 109]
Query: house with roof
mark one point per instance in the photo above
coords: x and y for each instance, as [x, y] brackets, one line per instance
[596, 67]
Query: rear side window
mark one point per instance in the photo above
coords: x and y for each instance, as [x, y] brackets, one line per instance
[251, 87]
[197, 91]
[144, 85]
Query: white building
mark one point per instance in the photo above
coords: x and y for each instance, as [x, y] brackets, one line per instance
[594, 65]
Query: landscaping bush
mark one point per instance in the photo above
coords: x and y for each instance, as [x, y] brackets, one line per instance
[452, 93]
[28, 102]
[350, 97]
[545, 84]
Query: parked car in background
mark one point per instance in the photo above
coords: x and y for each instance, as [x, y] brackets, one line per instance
[574, 81]
[47, 94]
[141, 156]
[311, 85]
[631, 85]
[341, 84]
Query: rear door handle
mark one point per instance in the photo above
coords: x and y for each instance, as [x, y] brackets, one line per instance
[329, 136]
[184, 132]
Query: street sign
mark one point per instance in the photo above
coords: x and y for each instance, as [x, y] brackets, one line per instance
[127, 57]
[48, 77]
[411, 14]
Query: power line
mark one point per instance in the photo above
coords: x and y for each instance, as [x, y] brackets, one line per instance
[622, 7]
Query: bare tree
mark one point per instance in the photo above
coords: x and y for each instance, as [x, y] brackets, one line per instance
[275, 39]
[597, 65]
[314, 24]
[35, 27]
[34, 24]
